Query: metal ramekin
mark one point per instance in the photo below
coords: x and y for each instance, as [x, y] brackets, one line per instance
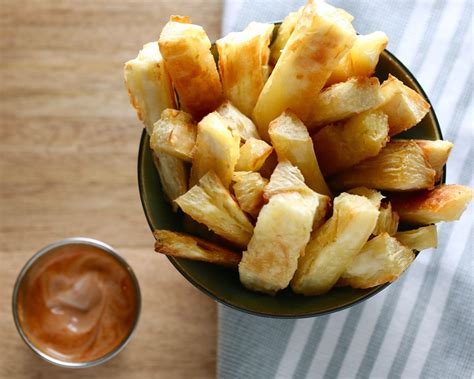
[75, 241]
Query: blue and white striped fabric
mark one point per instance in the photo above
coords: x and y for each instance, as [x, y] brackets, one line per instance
[421, 326]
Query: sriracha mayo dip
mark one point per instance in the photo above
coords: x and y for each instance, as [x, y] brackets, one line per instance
[76, 301]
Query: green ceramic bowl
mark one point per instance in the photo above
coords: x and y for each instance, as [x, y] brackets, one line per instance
[223, 284]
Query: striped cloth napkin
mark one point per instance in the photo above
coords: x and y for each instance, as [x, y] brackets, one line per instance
[421, 326]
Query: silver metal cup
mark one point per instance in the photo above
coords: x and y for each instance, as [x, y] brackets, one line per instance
[50, 248]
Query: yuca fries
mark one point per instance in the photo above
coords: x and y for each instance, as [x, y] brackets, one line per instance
[211, 204]
[334, 246]
[444, 203]
[149, 85]
[186, 50]
[419, 239]
[288, 178]
[344, 100]
[235, 131]
[405, 107]
[248, 189]
[361, 59]
[374, 196]
[253, 154]
[217, 149]
[381, 260]
[437, 153]
[305, 63]
[400, 166]
[238, 122]
[387, 221]
[186, 246]
[291, 140]
[283, 35]
[174, 134]
[243, 64]
[281, 233]
[345, 144]
[151, 92]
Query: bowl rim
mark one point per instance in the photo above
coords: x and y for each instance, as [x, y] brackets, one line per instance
[189, 278]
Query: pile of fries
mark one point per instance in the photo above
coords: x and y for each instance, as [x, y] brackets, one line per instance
[283, 147]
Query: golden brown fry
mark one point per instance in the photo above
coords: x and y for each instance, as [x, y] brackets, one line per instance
[419, 239]
[243, 62]
[288, 178]
[217, 149]
[343, 70]
[374, 196]
[211, 204]
[151, 92]
[404, 107]
[282, 231]
[444, 203]
[291, 141]
[343, 100]
[400, 166]
[149, 85]
[238, 122]
[285, 178]
[189, 247]
[173, 176]
[383, 259]
[387, 221]
[253, 154]
[283, 35]
[248, 188]
[305, 64]
[366, 52]
[436, 152]
[361, 59]
[333, 247]
[287, 27]
[174, 134]
[343, 145]
[186, 50]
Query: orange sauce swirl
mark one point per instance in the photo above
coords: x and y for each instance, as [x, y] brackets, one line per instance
[77, 303]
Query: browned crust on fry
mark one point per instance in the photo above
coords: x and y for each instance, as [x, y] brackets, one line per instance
[342, 145]
[173, 175]
[291, 141]
[181, 19]
[253, 154]
[248, 189]
[242, 58]
[382, 259]
[437, 153]
[444, 203]
[210, 203]
[149, 85]
[400, 166]
[343, 100]
[186, 51]
[405, 107]
[425, 237]
[320, 39]
[208, 251]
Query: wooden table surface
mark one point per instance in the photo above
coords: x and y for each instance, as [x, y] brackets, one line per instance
[68, 152]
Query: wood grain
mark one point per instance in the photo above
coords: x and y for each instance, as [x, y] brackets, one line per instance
[68, 151]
